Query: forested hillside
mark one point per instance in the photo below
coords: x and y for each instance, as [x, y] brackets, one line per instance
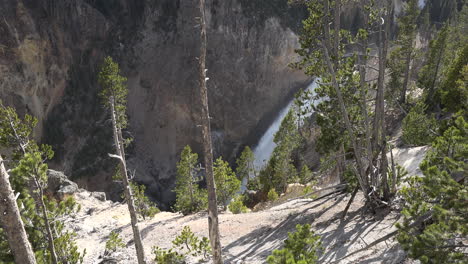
[216, 131]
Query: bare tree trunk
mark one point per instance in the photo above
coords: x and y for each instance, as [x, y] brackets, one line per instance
[379, 123]
[50, 236]
[336, 33]
[362, 59]
[118, 140]
[207, 145]
[406, 77]
[394, 172]
[11, 222]
[344, 112]
[349, 202]
[341, 160]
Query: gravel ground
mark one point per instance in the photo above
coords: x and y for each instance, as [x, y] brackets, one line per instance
[251, 237]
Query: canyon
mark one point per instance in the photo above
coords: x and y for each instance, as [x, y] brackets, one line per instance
[50, 56]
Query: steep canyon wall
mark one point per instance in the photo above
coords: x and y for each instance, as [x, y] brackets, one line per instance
[49, 57]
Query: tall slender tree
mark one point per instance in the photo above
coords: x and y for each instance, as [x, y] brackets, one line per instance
[114, 94]
[11, 221]
[245, 165]
[213, 224]
[406, 39]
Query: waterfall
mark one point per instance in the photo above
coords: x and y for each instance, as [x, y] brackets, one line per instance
[265, 146]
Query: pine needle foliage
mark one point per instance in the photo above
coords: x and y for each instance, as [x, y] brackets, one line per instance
[435, 225]
[418, 128]
[190, 198]
[29, 178]
[245, 164]
[237, 205]
[227, 184]
[113, 85]
[144, 206]
[184, 245]
[301, 247]
[280, 169]
[114, 242]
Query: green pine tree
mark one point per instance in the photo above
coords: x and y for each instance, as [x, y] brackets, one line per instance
[454, 91]
[429, 76]
[227, 183]
[435, 225]
[301, 247]
[144, 207]
[41, 214]
[280, 169]
[404, 54]
[190, 197]
[418, 129]
[245, 164]
[114, 96]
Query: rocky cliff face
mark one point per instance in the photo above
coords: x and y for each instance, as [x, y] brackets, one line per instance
[49, 57]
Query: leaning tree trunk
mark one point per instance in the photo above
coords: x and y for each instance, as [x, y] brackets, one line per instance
[326, 44]
[11, 223]
[207, 146]
[127, 189]
[50, 236]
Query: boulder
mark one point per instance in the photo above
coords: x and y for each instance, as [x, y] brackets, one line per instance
[59, 185]
[101, 196]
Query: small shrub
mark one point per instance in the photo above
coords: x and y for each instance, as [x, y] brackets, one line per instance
[185, 244]
[113, 243]
[170, 256]
[144, 206]
[272, 195]
[418, 129]
[301, 247]
[307, 189]
[192, 245]
[237, 205]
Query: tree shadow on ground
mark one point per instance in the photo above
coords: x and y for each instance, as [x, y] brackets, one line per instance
[265, 239]
[150, 228]
[339, 241]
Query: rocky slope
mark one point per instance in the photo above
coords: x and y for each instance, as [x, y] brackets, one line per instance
[49, 57]
[251, 237]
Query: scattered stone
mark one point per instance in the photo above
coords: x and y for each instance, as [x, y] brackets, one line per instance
[101, 196]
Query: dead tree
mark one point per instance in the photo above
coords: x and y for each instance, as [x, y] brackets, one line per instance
[213, 224]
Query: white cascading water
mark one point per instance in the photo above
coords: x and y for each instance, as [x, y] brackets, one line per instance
[265, 146]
